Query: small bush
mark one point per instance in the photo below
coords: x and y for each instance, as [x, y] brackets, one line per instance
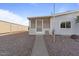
[74, 36]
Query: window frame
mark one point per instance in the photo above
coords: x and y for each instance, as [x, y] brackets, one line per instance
[46, 23]
[32, 25]
[65, 24]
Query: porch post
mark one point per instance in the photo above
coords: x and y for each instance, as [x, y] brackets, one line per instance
[29, 24]
[51, 26]
[42, 25]
[36, 25]
[29, 28]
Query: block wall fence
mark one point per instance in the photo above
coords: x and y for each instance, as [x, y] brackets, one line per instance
[11, 27]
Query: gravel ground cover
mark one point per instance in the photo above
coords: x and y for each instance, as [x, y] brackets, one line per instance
[17, 44]
[63, 46]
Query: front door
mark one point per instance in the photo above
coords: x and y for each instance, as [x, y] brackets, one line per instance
[39, 26]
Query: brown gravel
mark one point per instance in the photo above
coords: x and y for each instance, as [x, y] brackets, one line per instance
[63, 46]
[18, 44]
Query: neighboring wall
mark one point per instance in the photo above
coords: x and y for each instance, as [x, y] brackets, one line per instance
[11, 27]
[4, 27]
[66, 31]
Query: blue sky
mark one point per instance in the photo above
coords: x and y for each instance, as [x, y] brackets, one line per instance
[28, 9]
[23, 10]
[62, 7]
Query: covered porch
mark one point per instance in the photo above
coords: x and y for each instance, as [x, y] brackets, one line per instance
[40, 25]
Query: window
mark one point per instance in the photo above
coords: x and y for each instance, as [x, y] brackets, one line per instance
[63, 25]
[66, 25]
[46, 23]
[39, 25]
[77, 19]
[32, 23]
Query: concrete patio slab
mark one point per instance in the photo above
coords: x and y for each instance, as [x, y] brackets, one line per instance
[39, 48]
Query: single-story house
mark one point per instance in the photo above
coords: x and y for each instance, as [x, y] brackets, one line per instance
[6, 27]
[59, 24]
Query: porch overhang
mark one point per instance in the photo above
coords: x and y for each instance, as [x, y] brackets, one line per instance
[39, 17]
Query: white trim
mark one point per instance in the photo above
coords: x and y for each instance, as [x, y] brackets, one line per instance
[51, 26]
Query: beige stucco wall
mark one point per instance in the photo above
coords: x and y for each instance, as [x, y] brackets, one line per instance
[11, 27]
[4, 27]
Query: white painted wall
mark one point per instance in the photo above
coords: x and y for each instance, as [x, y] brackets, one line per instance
[66, 31]
[55, 25]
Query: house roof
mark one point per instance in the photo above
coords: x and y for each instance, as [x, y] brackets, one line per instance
[54, 15]
[65, 13]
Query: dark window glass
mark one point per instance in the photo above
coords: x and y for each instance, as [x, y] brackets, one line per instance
[68, 24]
[63, 25]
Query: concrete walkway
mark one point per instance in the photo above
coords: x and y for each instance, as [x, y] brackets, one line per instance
[39, 48]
